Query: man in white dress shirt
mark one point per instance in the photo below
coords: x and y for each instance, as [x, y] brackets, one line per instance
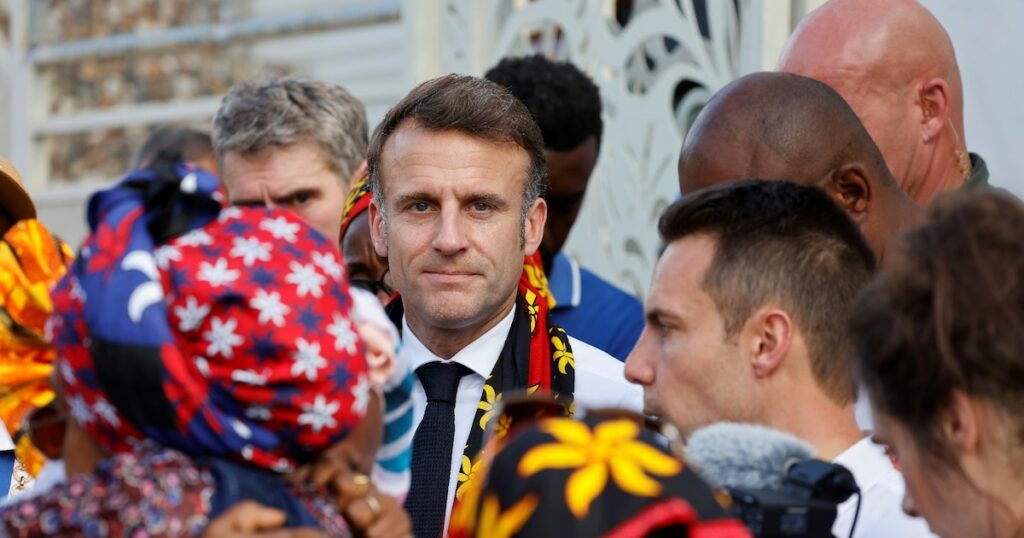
[457, 169]
[747, 322]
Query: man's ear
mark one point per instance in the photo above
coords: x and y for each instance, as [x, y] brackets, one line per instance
[934, 100]
[533, 228]
[378, 231]
[849, 187]
[767, 336]
[961, 424]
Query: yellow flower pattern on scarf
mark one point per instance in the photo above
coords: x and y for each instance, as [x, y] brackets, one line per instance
[467, 474]
[531, 308]
[561, 355]
[496, 524]
[539, 281]
[501, 428]
[612, 448]
[490, 404]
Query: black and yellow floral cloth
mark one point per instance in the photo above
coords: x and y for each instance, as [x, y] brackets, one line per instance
[607, 476]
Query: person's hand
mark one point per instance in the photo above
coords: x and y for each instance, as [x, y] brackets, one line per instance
[251, 519]
[380, 352]
[370, 513]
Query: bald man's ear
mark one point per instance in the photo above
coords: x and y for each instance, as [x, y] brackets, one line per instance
[934, 100]
[849, 187]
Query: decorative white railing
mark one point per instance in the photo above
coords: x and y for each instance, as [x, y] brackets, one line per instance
[655, 68]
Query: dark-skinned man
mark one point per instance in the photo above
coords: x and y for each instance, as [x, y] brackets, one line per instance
[566, 105]
[784, 126]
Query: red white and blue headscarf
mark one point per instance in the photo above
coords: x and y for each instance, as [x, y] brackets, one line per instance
[216, 332]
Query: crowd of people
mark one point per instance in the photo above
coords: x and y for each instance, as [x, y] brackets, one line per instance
[289, 327]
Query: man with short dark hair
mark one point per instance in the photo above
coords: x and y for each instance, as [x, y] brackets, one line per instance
[784, 126]
[457, 169]
[566, 105]
[747, 322]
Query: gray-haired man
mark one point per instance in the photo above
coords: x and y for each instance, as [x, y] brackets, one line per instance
[292, 142]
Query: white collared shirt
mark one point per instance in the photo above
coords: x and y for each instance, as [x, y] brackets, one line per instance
[5, 438]
[881, 486]
[600, 382]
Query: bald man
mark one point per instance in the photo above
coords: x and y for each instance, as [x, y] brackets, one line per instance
[894, 64]
[784, 126]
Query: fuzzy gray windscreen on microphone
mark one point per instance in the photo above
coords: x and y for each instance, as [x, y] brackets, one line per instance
[744, 456]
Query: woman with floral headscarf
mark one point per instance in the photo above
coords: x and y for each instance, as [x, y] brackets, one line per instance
[195, 367]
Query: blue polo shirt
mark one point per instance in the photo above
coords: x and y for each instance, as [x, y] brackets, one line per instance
[592, 310]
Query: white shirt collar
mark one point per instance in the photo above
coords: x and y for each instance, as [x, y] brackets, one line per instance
[867, 461]
[480, 355]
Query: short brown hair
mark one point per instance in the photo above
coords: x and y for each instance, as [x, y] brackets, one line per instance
[948, 315]
[470, 105]
[787, 243]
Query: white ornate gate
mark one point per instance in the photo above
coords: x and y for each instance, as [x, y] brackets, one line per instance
[656, 63]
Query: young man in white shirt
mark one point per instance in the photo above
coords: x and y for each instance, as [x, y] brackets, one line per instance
[747, 322]
[457, 169]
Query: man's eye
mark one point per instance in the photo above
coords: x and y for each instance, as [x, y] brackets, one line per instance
[659, 326]
[300, 199]
[481, 207]
[419, 206]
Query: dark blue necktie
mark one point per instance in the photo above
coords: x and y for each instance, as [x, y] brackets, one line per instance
[432, 448]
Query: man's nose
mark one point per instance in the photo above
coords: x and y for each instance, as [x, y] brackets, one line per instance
[450, 237]
[639, 368]
[265, 195]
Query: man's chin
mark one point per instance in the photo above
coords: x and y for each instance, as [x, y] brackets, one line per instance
[452, 315]
[651, 407]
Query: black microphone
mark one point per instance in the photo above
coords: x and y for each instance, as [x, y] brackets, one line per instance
[776, 485]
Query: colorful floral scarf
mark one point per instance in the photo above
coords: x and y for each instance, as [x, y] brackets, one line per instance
[358, 201]
[31, 262]
[217, 332]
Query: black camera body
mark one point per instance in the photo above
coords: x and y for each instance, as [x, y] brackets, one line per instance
[804, 507]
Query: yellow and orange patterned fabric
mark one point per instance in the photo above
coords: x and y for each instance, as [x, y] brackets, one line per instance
[32, 260]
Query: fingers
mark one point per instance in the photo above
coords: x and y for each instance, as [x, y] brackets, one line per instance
[299, 475]
[390, 521]
[289, 533]
[245, 517]
[328, 470]
[278, 533]
[349, 489]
